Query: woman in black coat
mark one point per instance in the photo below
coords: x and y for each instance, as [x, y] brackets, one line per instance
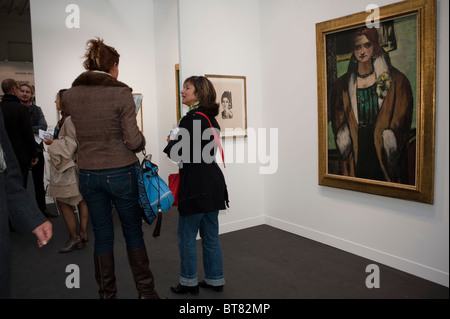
[202, 191]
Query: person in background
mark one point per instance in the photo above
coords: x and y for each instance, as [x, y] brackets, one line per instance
[17, 206]
[202, 191]
[37, 122]
[18, 126]
[64, 178]
[103, 112]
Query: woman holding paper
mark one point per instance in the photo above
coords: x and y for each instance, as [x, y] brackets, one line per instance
[64, 178]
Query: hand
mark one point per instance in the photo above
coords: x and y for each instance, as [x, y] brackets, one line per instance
[34, 161]
[44, 233]
[48, 140]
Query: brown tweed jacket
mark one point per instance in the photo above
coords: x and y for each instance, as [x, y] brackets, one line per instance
[103, 112]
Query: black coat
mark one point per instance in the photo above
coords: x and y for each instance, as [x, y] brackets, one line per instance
[202, 184]
[18, 126]
[38, 122]
[16, 205]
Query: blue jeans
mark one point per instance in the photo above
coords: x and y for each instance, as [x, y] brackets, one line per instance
[188, 226]
[101, 189]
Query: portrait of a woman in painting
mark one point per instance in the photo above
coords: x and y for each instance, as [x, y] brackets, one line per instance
[371, 112]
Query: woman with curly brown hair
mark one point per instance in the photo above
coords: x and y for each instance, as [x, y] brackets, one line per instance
[103, 112]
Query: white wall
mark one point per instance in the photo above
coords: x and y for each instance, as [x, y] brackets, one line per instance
[223, 37]
[19, 71]
[410, 236]
[58, 51]
[167, 56]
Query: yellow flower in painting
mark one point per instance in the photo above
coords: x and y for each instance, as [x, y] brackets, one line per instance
[383, 84]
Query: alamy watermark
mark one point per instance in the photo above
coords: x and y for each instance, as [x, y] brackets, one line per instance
[73, 279]
[373, 280]
[373, 19]
[259, 149]
[73, 18]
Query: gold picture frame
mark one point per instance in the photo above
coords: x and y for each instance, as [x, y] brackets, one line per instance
[177, 91]
[231, 90]
[350, 105]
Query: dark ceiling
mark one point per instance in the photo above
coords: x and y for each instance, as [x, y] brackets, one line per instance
[15, 31]
[15, 7]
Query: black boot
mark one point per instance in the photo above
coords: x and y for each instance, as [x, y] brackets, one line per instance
[105, 275]
[142, 274]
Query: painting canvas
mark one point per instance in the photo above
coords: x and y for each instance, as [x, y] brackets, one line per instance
[138, 97]
[231, 97]
[375, 111]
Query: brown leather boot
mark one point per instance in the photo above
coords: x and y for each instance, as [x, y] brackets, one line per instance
[105, 275]
[142, 274]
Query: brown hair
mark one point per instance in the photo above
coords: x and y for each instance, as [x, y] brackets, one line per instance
[9, 85]
[99, 56]
[371, 35]
[61, 103]
[206, 93]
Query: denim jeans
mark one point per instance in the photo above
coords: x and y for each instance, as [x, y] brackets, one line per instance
[188, 226]
[101, 189]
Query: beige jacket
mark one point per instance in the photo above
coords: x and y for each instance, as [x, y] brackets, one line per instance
[63, 171]
[103, 112]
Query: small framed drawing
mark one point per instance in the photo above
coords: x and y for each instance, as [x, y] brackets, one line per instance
[138, 97]
[232, 99]
[376, 100]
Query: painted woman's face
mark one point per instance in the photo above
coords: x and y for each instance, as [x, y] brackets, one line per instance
[188, 94]
[226, 103]
[363, 49]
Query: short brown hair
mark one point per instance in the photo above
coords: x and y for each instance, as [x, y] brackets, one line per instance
[99, 56]
[9, 85]
[206, 93]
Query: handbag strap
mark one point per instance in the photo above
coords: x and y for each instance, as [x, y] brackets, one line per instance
[216, 138]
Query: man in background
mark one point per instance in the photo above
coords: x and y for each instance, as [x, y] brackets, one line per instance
[38, 122]
[18, 126]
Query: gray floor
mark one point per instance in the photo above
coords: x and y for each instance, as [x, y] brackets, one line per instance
[259, 263]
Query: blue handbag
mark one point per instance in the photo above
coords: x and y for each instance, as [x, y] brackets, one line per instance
[155, 196]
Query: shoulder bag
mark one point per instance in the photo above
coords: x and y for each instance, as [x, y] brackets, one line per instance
[155, 196]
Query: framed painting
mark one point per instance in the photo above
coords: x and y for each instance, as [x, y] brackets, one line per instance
[178, 92]
[138, 97]
[376, 73]
[232, 99]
